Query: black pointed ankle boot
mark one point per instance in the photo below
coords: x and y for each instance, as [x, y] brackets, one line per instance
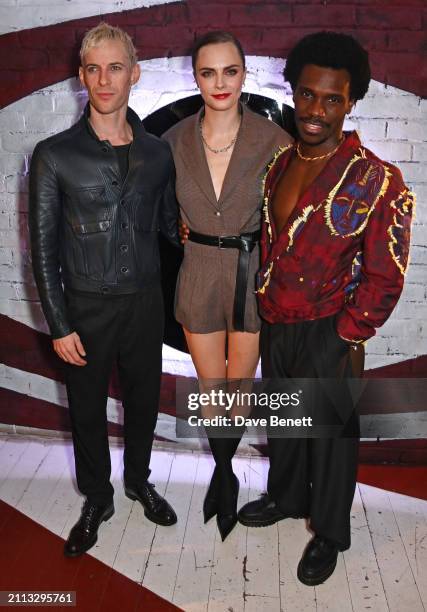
[226, 517]
[210, 503]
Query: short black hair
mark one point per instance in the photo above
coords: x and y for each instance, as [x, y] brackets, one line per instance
[213, 38]
[331, 50]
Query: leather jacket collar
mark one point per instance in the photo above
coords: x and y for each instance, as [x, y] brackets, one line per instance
[132, 118]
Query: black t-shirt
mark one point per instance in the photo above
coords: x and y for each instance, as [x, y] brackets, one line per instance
[122, 152]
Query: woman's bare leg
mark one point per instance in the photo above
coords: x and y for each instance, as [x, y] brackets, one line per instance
[208, 353]
[243, 354]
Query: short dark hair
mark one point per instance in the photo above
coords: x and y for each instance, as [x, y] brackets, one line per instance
[331, 50]
[213, 38]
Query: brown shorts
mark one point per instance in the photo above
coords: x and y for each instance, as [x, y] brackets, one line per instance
[204, 298]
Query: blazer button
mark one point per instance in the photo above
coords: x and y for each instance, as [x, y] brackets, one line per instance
[105, 289]
[124, 270]
[124, 226]
[105, 149]
[114, 183]
[124, 248]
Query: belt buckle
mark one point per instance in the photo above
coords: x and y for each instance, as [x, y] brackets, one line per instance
[245, 244]
[220, 239]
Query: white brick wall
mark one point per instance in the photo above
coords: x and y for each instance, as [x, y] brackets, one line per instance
[391, 122]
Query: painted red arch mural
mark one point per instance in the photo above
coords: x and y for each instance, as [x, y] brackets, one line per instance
[393, 32]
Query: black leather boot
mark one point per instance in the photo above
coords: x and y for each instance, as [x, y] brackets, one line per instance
[156, 508]
[260, 513]
[226, 517]
[84, 534]
[318, 561]
[210, 503]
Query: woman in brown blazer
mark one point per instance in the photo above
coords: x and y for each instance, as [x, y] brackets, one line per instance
[220, 156]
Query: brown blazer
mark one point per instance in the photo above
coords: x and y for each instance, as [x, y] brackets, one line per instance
[205, 289]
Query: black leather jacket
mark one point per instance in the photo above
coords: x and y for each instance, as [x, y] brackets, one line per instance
[90, 231]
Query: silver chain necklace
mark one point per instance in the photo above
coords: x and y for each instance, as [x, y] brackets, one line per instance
[211, 149]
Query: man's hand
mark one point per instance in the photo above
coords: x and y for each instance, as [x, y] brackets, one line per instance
[70, 349]
[183, 231]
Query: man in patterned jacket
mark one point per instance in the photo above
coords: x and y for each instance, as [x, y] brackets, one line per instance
[335, 247]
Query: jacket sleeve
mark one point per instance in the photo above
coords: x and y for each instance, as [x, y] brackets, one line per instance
[385, 253]
[169, 209]
[44, 221]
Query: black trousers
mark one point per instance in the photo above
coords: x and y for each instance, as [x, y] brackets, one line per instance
[312, 477]
[127, 330]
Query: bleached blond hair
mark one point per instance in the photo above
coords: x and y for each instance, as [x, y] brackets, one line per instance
[104, 31]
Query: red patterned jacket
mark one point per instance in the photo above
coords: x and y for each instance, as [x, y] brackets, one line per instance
[344, 248]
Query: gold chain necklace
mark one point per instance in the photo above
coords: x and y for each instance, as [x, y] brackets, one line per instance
[222, 149]
[310, 159]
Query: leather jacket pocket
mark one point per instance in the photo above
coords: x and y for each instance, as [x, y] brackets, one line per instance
[92, 247]
[82, 203]
[88, 214]
[92, 226]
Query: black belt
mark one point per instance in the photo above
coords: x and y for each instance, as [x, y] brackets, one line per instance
[246, 244]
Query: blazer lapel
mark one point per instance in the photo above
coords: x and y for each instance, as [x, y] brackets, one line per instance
[242, 157]
[193, 156]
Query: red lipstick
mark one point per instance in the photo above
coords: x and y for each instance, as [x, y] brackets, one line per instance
[222, 96]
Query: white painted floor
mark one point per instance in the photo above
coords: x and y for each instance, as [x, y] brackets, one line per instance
[254, 570]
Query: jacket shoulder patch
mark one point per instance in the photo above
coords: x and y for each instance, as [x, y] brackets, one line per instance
[352, 200]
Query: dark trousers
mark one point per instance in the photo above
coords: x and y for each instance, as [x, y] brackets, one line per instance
[127, 330]
[312, 477]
